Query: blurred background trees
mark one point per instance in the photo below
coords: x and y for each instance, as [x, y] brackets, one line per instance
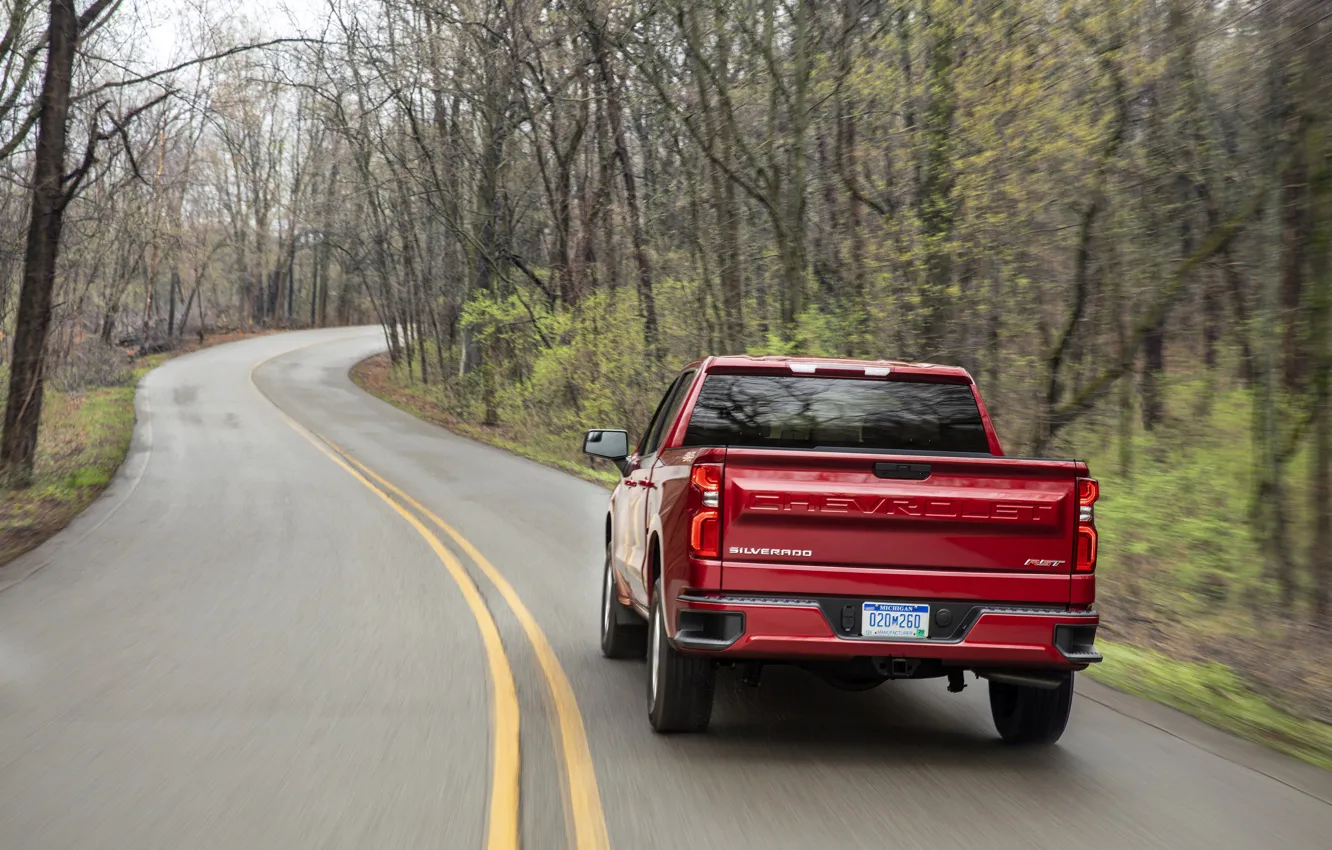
[1113, 213]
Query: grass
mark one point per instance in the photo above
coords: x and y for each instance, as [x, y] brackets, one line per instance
[85, 435]
[1189, 618]
[84, 438]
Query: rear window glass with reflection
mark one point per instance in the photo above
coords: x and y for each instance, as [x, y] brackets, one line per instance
[804, 412]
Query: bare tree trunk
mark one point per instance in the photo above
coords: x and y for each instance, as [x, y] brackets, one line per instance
[1238, 294]
[314, 289]
[1294, 239]
[935, 193]
[323, 290]
[343, 311]
[23, 412]
[1153, 346]
[647, 304]
[1319, 355]
[202, 329]
[171, 304]
[322, 253]
[719, 133]
[149, 283]
[1269, 508]
[185, 315]
[860, 341]
[1212, 315]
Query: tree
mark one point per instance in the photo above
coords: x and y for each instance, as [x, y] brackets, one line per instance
[51, 193]
[99, 118]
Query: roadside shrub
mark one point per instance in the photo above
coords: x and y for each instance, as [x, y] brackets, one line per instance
[92, 364]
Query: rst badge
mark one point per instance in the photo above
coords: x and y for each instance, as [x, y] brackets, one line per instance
[1043, 562]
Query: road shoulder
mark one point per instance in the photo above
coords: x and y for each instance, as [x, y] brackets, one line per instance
[1295, 773]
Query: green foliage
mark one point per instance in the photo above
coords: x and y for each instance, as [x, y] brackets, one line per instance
[1184, 513]
[817, 333]
[591, 372]
[1177, 531]
[88, 476]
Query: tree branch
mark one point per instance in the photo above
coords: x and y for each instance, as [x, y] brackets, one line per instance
[118, 129]
[92, 13]
[532, 276]
[189, 63]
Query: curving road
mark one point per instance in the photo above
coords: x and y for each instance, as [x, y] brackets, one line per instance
[243, 644]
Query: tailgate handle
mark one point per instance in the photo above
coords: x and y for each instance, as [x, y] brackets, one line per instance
[904, 471]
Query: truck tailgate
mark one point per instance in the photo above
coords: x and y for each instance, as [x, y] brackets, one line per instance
[907, 512]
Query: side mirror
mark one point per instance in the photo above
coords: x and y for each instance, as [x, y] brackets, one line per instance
[611, 445]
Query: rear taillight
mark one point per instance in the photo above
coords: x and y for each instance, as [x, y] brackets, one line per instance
[1088, 492]
[705, 524]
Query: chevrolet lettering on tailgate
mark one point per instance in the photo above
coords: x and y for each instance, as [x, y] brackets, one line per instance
[1027, 513]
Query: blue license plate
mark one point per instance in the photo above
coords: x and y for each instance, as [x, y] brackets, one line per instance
[894, 620]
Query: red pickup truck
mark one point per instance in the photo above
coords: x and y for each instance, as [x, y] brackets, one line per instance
[857, 518]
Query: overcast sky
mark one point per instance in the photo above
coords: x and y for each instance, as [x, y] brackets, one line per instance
[166, 25]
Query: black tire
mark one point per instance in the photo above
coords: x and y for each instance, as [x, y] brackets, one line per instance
[679, 686]
[623, 632]
[1027, 715]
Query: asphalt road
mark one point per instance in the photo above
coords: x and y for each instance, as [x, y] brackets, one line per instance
[243, 645]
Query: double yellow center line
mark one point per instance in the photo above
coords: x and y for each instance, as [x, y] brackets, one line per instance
[588, 825]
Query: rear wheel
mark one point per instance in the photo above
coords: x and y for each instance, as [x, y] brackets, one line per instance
[679, 686]
[623, 632]
[1027, 715]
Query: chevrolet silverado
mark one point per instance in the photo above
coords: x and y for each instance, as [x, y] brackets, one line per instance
[856, 518]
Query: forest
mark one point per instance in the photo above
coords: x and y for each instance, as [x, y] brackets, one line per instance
[1117, 214]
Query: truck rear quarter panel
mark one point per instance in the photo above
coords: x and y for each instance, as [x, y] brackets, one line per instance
[669, 522]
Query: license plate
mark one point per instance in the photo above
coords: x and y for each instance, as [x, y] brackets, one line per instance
[890, 619]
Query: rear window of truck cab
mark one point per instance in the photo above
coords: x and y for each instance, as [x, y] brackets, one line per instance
[810, 412]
